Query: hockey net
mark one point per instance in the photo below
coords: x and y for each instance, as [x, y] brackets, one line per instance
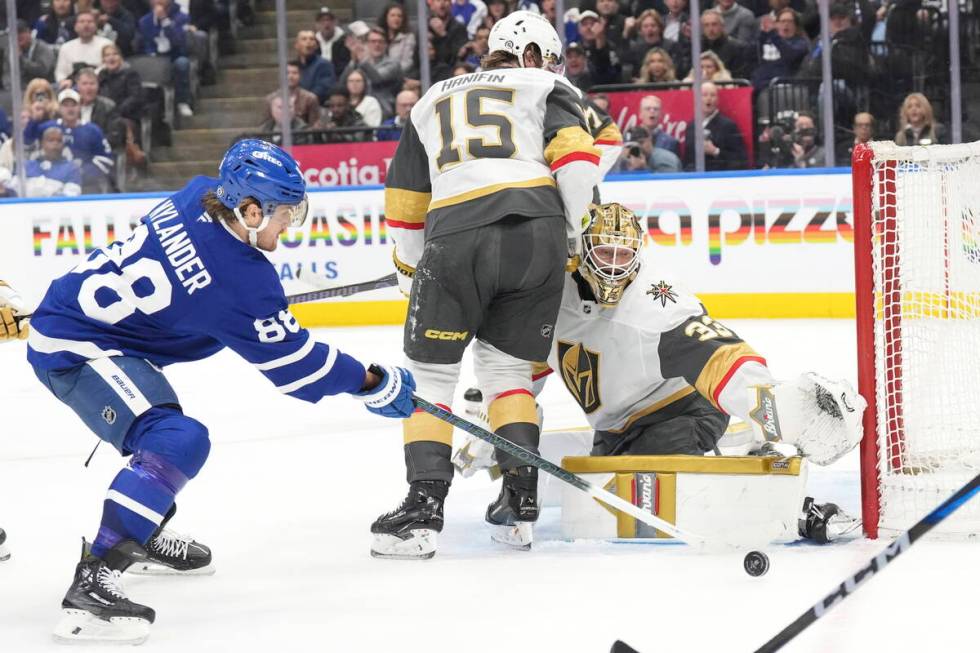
[917, 267]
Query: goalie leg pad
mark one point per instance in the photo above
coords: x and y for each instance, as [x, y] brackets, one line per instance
[83, 627]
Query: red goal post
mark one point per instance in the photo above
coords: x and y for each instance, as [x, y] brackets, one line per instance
[917, 285]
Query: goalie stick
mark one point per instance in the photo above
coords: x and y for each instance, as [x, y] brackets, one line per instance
[596, 492]
[386, 281]
[863, 575]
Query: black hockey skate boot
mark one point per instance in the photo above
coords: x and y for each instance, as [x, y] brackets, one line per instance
[170, 553]
[825, 522]
[409, 531]
[96, 609]
[511, 516]
[4, 553]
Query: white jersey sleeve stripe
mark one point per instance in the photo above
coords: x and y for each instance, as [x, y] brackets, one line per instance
[121, 384]
[130, 504]
[312, 378]
[297, 355]
[45, 345]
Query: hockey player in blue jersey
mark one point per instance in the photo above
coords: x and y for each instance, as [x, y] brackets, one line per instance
[189, 281]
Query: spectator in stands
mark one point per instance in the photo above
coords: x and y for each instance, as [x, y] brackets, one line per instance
[649, 118]
[361, 99]
[650, 35]
[599, 49]
[462, 68]
[86, 143]
[496, 9]
[117, 24]
[473, 51]
[98, 109]
[51, 175]
[601, 100]
[807, 153]
[122, 85]
[724, 148]
[615, 31]
[849, 56]
[316, 75]
[341, 115]
[381, 73]
[297, 126]
[37, 58]
[58, 25]
[81, 52]
[864, 132]
[733, 52]
[162, 34]
[712, 69]
[446, 34]
[331, 38]
[640, 155]
[739, 21]
[402, 46]
[677, 26]
[781, 49]
[658, 66]
[577, 67]
[403, 107]
[40, 101]
[304, 104]
[470, 13]
[916, 124]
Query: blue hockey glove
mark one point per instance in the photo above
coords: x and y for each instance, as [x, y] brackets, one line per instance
[392, 397]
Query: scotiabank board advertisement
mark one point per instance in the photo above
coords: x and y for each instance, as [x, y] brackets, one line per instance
[345, 164]
[751, 245]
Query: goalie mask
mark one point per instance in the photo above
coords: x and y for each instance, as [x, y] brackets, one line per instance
[610, 251]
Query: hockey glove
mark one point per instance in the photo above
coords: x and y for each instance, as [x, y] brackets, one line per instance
[392, 397]
[10, 306]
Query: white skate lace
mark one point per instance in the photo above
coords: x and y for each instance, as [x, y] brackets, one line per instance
[171, 544]
[111, 581]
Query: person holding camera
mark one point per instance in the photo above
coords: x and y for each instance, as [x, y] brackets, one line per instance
[807, 153]
[640, 154]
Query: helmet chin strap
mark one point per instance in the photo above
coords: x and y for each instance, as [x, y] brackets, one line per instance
[253, 232]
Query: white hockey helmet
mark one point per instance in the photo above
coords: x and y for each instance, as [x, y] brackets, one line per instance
[514, 32]
[610, 251]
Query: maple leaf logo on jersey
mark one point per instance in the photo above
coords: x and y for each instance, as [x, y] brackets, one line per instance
[663, 292]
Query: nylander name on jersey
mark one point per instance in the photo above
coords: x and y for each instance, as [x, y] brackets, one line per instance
[179, 289]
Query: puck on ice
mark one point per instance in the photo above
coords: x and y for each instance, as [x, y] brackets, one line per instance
[756, 563]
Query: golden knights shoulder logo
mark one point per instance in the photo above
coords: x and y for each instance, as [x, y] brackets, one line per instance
[662, 292]
[580, 372]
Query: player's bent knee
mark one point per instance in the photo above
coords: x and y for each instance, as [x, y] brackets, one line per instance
[169, 435]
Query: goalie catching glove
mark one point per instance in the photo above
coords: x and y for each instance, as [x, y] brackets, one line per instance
[11, 305]
[820, 417]
[392, 396]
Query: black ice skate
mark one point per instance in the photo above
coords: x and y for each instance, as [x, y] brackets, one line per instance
[170, 553]
[514, 512]
[409, 531]
[4, 553]
[825, 522]
[96, 609]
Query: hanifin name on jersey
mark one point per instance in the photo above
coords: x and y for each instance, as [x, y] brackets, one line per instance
[462, 80]
[178, 247]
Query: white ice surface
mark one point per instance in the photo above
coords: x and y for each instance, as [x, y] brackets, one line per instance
[290, 490]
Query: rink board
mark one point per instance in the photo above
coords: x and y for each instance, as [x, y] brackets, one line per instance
[753, 244]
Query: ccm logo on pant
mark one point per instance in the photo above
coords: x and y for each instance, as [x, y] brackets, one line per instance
[435, 334]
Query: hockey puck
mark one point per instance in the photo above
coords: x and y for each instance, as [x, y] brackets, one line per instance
[756, 563]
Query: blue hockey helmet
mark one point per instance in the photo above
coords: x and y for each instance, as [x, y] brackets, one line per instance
[257, 169]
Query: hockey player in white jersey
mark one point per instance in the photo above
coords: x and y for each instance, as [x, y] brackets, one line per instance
[492, 177]
[656, 375]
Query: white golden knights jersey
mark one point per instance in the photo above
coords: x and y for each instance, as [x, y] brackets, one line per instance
[482, 146]
[658, 345]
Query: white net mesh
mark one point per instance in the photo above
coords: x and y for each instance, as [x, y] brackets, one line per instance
[926, 270]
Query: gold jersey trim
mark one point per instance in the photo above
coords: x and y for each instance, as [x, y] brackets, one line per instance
[718, 368]
[406, 205]
[512, 408]
[423, 427]
[490, 190]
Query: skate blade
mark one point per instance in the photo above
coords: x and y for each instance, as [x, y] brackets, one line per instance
[517, 536]
[420, 544]
[83, 627]
[4, 553]
[148, 568]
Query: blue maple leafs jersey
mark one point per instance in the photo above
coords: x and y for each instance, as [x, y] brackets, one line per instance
[182, 287]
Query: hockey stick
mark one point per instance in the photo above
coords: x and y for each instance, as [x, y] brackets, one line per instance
[386, 281]
[596, 492]
[863, 575]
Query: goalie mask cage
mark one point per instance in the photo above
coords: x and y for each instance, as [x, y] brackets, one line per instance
[917, 273]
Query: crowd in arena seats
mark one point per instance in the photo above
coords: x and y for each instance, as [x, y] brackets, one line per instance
[98, 72]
